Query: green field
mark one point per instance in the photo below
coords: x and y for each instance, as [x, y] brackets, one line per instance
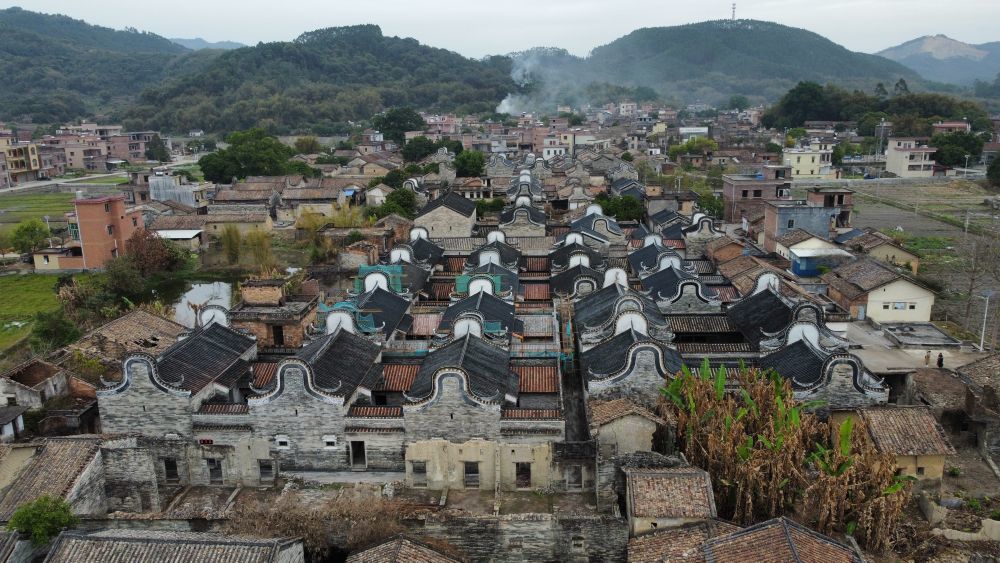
[15, 208]
[20, 298]
[110, 180]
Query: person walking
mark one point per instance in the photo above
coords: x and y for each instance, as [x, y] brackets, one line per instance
[940, 361]
[927, 359]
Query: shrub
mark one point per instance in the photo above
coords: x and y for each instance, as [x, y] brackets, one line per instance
[974, 504]
[43, 519]
[954, 471]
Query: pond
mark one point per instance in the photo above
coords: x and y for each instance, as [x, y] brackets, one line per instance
[178, 293]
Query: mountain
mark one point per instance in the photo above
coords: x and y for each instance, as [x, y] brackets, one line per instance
[198, 44]
[56, 68]
[943, 59]
[319, 81]
[708, 61]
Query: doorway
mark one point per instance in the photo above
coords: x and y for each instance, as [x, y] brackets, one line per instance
[358, 458]
[214, 471]
[278, 332]
[472, 475]
[522, 475]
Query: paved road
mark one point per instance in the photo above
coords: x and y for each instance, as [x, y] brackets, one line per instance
[45, 183]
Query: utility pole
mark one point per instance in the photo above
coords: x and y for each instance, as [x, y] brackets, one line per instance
[982, 336]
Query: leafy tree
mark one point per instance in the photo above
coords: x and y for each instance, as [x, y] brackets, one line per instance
[622, 208]
[307, 145]
[30, 235]
[156, 150]
[710, 204]
[353, 237]
[395, 178]
[697, 145]
[152, 254]
[470, 164]
[738, 102]
[395, 122]
[231, 240]
[401, 202]
[484, 206]
[251, 153]
[418, 148]
[797, 132]
[52, 330]
[43, 519]
[773, 148]
[993, 172]
[952, 148]
[880, 91]
[124, 278]
[901, 87]
[627, 157]
[6, 244]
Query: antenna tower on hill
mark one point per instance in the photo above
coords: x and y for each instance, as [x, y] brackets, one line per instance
[734, 11]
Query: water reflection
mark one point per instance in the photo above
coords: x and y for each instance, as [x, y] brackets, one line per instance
[178, 293]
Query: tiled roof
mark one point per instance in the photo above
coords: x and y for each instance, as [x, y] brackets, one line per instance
[681, 544]
[400, 550]
[142, 546]
[486, 367]
[340, 361]
[715, 347]
[793, 237]
[777, 541]
[451, 200]
[537, 325]
[32, 372]
[398, 377]
[679, 492]
[52, 471]
[364, 411]
[212, 354]
[984, 372]
[603, 412]
[263, 374]
[134, 331]
[220, 408]
[536, 291]
[906, 431]
[701, 323]
[532, 414]
[537, 263]
[9, 413]
[537, 379]
[303, 194]
[860, 277]
[242, 195]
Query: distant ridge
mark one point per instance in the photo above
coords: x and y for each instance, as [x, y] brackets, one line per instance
[943, 59]
[198, 44]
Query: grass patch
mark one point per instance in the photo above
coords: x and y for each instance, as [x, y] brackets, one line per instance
[23, 296]
[15, 208]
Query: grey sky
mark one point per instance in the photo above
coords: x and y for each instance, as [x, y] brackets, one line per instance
[476, 27]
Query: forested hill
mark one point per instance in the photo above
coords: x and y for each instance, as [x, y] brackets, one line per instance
[739, 57]
[55, 68]
[320, 80]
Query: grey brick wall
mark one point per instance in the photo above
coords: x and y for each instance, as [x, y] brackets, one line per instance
[451, 415]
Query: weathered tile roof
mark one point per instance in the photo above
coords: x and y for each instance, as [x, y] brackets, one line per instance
[454, 202]
[677, 492]
[398, 377]
[538, 325]
[141, 546]
[340, 361]
[134, 331]
[491, 307]
[9, 413]
[798, 362]
[681, 544]
[860, 277]
[537, 378]
[906, 431]
[310, 194]
[387, 309]
[365, 411]
[32, 372]
[777, 541]
[701, 323]
[486, 366]
[532, 414]
[763, 311]
[211, 354]
[52, 471]
[565, 282]
[603, 412]
[611, 355]
[793, 237]
[984, 372]
[242, 195]
[263, 374]
[400, 550]
[224, 408]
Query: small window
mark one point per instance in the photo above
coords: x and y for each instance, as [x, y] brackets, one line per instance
[920, 471]
[912, 306]
[111, 230]
[791, 223]
[135, 222]
[745, 192]
[329, 442]
[885, 306]
[281, 441]
[45, 259]
[11, 401]
[757, 193]
[107, 208]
